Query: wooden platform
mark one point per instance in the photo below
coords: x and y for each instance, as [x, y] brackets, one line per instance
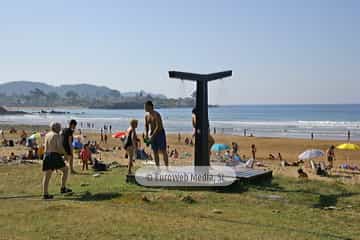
[243, 175]
[250, 175]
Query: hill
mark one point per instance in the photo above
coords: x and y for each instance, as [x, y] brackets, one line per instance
[26, 87]
[26, 93]
[83, 90]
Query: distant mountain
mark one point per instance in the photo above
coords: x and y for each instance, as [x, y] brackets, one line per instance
[35, 94]
[23, 87]
[83, 90]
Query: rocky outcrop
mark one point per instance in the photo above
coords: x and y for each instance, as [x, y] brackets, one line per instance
[4, 111]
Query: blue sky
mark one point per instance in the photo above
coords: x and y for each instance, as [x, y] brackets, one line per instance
[280, 51]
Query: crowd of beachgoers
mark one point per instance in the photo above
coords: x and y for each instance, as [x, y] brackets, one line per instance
[59, 146]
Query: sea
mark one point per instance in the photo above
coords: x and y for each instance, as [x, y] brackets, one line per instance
[287, 121]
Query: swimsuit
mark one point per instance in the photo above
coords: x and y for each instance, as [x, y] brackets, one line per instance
[159, 141]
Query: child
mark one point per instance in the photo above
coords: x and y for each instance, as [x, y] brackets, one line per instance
[253, 151]
[85, 156]
[131, 143]
[176, 154]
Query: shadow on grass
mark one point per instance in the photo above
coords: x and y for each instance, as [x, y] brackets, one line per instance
[324, 200]
[332, 199]
[88, 196]
[236, 187]
[19, 197]
[80, 196]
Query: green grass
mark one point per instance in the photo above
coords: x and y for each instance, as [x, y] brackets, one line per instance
[108, 208]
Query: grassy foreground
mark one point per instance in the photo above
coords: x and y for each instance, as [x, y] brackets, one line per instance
[108, 208]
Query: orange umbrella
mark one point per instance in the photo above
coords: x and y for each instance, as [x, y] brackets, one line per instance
[119, 134]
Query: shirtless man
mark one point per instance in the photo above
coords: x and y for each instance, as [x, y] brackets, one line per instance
[157, 137]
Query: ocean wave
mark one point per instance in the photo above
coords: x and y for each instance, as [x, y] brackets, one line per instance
[304, 124]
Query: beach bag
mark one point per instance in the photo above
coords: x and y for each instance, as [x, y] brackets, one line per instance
[98, 166]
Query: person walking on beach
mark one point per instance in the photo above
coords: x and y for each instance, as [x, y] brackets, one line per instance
[331, 156]
[157, 137]
[105, 138]
[131, 145]
[101, 136]
[67, 135]
[235, 148]
[348, 136]
[53, 160]
[253, 151]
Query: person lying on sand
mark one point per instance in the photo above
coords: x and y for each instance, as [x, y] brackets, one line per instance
[284, 163]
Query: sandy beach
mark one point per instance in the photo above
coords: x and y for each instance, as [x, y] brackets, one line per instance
[289, 148]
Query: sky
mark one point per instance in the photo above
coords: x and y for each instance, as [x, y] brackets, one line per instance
[280, 51]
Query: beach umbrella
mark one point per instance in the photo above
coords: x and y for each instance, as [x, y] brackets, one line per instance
[35, 136]
[348, 147]
[218, 147]
[119, 134]
[311, 154]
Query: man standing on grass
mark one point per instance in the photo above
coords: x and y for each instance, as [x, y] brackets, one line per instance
[67, 137]
[157, 137]
[53, 160]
